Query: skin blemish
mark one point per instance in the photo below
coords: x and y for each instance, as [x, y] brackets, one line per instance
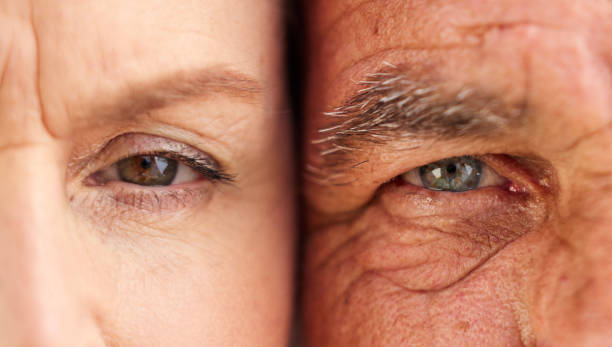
[463, 326]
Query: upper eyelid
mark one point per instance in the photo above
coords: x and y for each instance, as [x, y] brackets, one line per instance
[208, 169]
[158, 145]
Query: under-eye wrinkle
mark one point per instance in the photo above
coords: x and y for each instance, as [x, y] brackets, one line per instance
[155, 201]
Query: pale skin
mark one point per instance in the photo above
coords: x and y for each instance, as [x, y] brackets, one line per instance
[90, 262]
[523, 263]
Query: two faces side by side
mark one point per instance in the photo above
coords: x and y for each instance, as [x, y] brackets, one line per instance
[455, 174]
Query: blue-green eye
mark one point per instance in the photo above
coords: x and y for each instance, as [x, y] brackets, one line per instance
[458, 174]
[454, 174]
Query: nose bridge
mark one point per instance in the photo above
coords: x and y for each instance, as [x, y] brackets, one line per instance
[39, 301]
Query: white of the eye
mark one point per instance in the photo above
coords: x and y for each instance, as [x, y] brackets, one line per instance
[111, 173]
[490, 178]
[185, 174]
[413, 177]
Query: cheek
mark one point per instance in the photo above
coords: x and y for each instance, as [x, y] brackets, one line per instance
[421, 271]
[157, 292]
[570, 288]
[168, 294]
[373, 310]
[351, 305]
[181, 281]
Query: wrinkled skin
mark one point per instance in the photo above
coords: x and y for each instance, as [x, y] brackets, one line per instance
[391, 264]
[118, 264]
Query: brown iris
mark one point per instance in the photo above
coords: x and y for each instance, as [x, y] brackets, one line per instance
[148, 170]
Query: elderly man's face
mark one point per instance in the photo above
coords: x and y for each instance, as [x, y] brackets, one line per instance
[459, 186]
[146, 194]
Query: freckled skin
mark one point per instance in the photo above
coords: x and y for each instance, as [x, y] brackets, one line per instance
[91, 265]
[389, 265]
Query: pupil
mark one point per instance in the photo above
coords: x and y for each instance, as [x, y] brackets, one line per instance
[145, 163]
[451, 169]
[457, 174]
[148, 170]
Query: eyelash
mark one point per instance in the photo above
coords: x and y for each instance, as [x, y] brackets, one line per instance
[201, 164]
[109, 194]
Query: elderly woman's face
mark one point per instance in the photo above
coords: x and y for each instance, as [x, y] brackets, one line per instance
[459, 186]
[145, 186]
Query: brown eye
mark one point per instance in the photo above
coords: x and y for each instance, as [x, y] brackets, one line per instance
[148, 170]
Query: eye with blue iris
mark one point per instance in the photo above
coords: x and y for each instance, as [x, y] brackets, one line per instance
[457, 174]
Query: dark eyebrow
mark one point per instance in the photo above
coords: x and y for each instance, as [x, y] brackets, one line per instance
[178, 87]
[393, 107]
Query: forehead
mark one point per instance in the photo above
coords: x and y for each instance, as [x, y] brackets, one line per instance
[89, 48]
[114, 35]
[344, 32]
[468, 41]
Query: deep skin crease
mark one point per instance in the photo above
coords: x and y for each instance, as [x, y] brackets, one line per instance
[202, 263]
[525, 264]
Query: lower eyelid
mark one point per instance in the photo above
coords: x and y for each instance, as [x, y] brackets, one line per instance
[397, 198]
[158, 201]
[121, 200]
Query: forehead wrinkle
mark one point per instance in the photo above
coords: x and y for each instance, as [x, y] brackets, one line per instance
[444, 12]
[356, 8]
[345, 14]
[474, 37]
[425, 25]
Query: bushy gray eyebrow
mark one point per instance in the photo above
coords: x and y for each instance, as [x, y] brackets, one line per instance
[393, 107]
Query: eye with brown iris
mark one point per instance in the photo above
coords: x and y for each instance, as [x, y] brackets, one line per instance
[148, 170]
